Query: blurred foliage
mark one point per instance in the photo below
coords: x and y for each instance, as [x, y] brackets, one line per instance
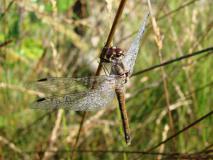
[64, 38]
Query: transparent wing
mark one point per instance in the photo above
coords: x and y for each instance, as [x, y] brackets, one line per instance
[131, 55]
[91, 100]
[59, 85]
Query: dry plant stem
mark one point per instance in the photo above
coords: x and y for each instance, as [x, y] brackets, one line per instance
[206, 148]
[164, 136]
[195, 44]
[19, 89]
[177, 9]
[38, 66]
[7, 9]
[171, 156]
[159, 42]
[209, 50]
[180, 51]
[23, 131]
[181, 131]
[90, 123]
[108, 42]
[78, 134]
[160, 18]
[5, 43]
[54, 136]
[55, 132]
[189, 69]
[111, 34]
[210, 84]
[201, 37]
[14, 148]
[172, 107]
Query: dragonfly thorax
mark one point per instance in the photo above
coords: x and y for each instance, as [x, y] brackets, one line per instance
[118, 68]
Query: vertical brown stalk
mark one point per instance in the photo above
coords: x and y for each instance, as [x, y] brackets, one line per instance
[111, 34]
[108, 42]
[159, 42]
[122, 106]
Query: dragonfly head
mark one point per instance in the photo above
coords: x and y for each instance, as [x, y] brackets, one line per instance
[114, 54]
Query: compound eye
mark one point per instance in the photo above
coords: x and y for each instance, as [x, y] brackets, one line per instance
[118, 50]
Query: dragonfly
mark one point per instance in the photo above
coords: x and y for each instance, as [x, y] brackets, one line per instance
[94, 92]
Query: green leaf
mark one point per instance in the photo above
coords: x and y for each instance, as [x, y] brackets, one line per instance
[31, 48]
[14, 29]
[63, 5]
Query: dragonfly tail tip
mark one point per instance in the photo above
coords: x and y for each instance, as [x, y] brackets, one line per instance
[128, 140]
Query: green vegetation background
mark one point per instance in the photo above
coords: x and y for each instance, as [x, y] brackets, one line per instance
[64, 38]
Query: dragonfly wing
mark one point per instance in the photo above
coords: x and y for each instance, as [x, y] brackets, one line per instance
[131, 55]
[59, 85]
[91, 100]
